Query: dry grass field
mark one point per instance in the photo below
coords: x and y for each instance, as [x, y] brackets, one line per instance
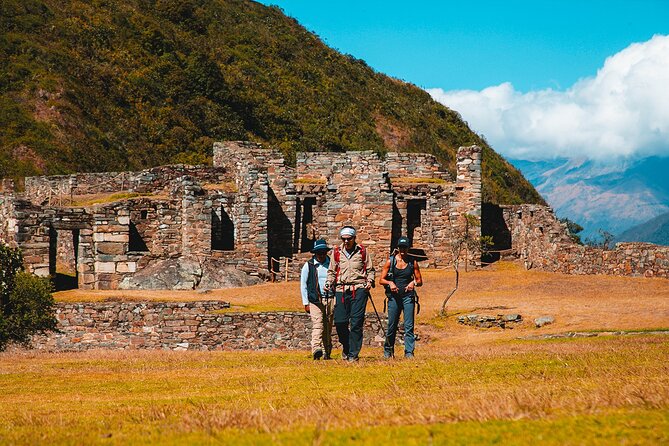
[466, 386]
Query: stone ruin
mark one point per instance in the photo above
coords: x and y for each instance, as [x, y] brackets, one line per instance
[532, 234]
[249, 218]
[252, 217]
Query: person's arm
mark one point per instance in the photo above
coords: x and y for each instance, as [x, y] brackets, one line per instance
[384, 281]
[371, 271]
[417, 278]
[303, 287]
[332, 275]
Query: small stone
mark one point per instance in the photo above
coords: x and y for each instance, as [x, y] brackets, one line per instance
[543, 320]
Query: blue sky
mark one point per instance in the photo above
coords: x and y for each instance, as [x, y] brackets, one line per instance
[476, 44]
[539, 79]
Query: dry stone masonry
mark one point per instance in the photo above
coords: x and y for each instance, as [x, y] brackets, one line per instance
[203, 325]
[541, 241]
[249, 218]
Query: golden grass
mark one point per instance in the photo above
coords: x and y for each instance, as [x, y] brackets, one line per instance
[307, 180]
[466, 385]
[228, 186]
[104, 198]
[506, 388]
[418, 180]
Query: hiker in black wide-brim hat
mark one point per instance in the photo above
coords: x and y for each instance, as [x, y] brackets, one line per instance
[314, 299]
[400, 276]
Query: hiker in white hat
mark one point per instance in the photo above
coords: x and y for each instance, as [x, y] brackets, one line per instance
[350, 276]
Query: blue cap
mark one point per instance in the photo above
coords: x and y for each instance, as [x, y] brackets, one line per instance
[320, 245]
[403, 241]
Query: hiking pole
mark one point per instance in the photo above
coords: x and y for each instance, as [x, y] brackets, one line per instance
[327, 328]
[369, 294]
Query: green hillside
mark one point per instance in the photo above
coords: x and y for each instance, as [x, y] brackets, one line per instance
[109, 85]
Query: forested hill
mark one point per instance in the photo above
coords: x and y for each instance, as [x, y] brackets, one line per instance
[125, 84]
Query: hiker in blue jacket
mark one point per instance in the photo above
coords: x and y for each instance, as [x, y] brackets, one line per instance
[400, 276]
[314, 299]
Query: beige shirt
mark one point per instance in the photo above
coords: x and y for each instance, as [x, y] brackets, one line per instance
[351, 271]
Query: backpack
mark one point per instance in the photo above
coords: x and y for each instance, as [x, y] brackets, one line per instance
[337, 257]
[393, 262]
[391, 275]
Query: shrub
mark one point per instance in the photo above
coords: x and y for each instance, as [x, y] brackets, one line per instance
[26, 303]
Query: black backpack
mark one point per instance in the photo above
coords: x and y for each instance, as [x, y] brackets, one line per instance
[391, 275]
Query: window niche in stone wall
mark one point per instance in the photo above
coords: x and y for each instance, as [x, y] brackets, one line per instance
[136, 242]
[143, 224]
[222, 230]
[415, 210]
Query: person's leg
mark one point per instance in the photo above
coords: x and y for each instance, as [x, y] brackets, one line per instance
[342, 311]
[327, 329]
[316, 312]
[391, 331]
[409, 338]
[358, 307]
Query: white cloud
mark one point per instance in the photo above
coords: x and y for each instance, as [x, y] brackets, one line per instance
[621, 112]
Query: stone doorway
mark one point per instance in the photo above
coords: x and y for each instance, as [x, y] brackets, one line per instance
[64, 258]
[416, 209]
[305, 233]
[222, 231]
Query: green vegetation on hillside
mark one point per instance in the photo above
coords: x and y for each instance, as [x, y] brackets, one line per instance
[109, 85]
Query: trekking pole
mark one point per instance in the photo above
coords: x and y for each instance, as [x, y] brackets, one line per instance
[326, 323]
[376, 312]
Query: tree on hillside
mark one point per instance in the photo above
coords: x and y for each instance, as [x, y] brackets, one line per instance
[26, 303]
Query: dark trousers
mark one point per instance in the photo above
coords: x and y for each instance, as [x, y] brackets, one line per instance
[397, 305]
[349, 317]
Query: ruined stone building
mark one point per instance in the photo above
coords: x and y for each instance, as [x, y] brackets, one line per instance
[246, 219]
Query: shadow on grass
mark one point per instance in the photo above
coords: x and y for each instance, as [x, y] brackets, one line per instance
[64, 282]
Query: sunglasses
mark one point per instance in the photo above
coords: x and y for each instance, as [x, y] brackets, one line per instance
[346, 239]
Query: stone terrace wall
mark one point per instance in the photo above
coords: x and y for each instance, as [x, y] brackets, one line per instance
[358, 194]
[45, 189]
[542, 242]
[180, 326]
[422, 165]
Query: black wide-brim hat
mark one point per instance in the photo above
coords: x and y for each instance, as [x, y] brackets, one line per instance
[320, 245]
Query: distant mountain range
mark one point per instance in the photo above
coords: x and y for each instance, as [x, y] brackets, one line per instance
[608, 196]
[653, 231]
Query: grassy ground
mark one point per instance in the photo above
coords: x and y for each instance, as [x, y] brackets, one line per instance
[577, 302]
[587, 391]
[466, 386]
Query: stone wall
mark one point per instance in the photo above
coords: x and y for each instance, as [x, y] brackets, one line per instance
[7, 219]
[543, 242]
[57, 190]
[203, 325]
[250, 212]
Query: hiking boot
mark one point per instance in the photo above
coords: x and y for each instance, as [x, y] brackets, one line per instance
[352, 359]
[318, 354]
[387, 355]
[408, 356]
